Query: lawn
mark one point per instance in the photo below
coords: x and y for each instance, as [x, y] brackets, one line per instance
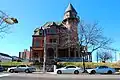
[14, 63]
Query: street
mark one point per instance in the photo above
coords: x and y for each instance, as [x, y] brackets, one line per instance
[40, 76]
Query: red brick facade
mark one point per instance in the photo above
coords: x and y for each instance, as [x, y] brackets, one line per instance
[61, 38]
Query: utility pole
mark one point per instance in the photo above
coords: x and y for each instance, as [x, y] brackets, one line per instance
[44, 63]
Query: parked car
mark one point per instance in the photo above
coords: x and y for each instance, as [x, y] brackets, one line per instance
[69, 69]
[101, 70]
[22, 68]
[1, 69]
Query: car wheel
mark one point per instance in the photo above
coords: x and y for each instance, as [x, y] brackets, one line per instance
[76, 72]
[109, 72]
[27, 71]
[93, 72]
[11, 70]
[59, 72]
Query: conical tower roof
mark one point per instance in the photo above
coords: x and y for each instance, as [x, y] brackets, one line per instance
[70, 8]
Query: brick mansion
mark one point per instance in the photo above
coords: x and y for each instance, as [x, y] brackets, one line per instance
[61, 38]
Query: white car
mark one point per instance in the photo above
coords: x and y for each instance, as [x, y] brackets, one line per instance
[101, 70]
[22, 68]
[69, 69]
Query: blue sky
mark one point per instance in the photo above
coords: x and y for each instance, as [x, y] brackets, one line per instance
[34, 13]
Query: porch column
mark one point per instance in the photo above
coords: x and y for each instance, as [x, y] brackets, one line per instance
[74, 52]
[69, 52]
[56, 51]
[78, 49]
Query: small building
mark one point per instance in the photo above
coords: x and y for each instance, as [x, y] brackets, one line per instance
[24, 55]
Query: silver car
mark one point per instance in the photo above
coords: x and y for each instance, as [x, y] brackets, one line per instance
[69, 69]
[22, 68]
[101, 70]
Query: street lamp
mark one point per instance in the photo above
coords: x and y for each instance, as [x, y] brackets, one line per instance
[10, 20]
[5, 21]
[5, 18]
[83, 53]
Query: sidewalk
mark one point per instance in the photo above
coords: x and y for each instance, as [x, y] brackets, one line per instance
[117, 73]
[44, 73]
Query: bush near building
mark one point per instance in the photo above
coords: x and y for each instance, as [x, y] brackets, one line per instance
[89, 64]
[13, 64]
[61, 64]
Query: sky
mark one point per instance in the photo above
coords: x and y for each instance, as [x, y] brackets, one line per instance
[34, 13]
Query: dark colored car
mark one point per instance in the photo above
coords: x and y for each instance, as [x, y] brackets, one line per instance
[1, 69]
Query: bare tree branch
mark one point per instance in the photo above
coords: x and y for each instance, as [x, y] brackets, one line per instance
[90, 35]
[104, 55]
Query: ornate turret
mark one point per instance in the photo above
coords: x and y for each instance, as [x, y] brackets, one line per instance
[71, 21]
[70, 13]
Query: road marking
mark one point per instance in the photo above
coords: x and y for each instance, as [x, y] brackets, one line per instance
[2, 75]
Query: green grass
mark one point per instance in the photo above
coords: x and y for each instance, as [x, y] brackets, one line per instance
[14, 63]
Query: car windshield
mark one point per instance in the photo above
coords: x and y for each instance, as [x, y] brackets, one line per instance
[70, 67]
[101, 67]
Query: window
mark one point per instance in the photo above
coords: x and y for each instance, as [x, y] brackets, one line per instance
[70, 67]
[37, 43]
[54, 40]
[40, 33]
[103, 67]
[50, 40]
[52, 31]
[22, 65]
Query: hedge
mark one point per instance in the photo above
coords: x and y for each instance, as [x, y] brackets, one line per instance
[90, 64]
[14, 63]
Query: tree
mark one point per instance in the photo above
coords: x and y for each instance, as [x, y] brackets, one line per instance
[5, 21]
[104, 55]
[90, 35]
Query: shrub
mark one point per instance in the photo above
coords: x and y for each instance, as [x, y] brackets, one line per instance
[90, 64]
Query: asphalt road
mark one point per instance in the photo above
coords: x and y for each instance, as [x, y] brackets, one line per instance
[40, 76]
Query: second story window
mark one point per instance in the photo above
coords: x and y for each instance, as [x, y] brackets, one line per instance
[37, 43]
[52, 31]
[52, 40]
